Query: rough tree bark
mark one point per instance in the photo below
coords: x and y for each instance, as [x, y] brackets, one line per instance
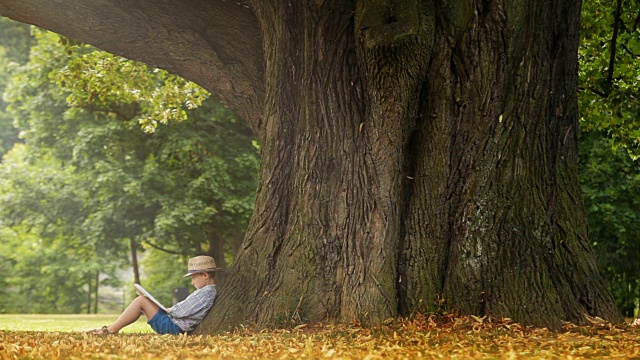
[415, 153]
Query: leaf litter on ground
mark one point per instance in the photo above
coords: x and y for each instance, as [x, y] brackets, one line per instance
[428, 337]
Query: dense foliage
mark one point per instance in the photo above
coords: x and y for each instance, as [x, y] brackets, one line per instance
[610, 70]
[609, 107]
[97, 177]
[611, 184]
[15, 43]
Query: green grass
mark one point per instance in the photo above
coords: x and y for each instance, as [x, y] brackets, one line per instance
[67, 323]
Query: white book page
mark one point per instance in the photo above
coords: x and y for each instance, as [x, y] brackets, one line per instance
[141, 291]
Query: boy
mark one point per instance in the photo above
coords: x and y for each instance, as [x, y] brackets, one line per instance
[183, 316]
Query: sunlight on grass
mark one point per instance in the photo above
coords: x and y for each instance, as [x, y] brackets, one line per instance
[66, 323]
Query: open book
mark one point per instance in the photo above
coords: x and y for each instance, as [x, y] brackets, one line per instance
[142, 292]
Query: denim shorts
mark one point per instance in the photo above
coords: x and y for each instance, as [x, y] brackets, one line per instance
[162, 324]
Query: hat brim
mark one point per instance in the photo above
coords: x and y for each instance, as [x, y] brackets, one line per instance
[201, 271]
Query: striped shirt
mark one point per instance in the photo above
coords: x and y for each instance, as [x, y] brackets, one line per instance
[190, 312]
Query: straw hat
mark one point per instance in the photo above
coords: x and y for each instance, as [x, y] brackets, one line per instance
[201, 264]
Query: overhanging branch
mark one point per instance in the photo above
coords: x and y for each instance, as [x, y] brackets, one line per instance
[214, 43]
[157, 247]
[614, 40]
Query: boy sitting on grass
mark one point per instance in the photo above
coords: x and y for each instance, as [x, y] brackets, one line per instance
[183, 316]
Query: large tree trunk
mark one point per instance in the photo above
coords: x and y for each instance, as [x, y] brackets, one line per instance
[414, 154]
[418, 153]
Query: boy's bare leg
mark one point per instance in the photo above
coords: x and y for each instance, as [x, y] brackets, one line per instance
[140, 305]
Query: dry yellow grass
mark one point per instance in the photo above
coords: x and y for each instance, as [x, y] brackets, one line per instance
[425, 337]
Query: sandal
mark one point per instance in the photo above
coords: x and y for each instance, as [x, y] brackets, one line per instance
[102, 331]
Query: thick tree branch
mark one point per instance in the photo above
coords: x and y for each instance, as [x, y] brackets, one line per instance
[157, 247]
[215, 43]
[614, 40]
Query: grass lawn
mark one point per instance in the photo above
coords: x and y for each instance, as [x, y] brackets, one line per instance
[66, 323]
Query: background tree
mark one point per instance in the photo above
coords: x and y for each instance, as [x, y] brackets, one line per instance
[611, 184]
[8, 135]
[609, 68]
[411, 150]
[196, 178]
[52, 267]
[185, 189]
[609, 104]
[14, 49]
